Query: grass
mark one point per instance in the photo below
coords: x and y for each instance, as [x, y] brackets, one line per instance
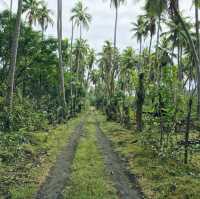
[27, 164]
[159, 177]
[89, 179]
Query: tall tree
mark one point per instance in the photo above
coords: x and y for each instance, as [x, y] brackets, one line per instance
[61, 69]
[116, 4]
[71, 65]
[140, 30]
[140, 93]
[32, 10]
[151, 27]
[81, 17]
[197, 4]
[44, 18]
[14, 48]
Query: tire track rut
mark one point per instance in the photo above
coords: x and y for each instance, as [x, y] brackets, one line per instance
[123, 181]
[60, 173]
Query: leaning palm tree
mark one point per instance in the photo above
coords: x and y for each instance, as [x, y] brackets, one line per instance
[81, 17]
[14, 48]
[197, 5]
[61, 70]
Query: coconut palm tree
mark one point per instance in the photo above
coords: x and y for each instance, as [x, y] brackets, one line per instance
[81, 17]
[44, 17]
[116, 4]
[61, 69]
[151, 27]
[14, 48]
[176, 37]
[32, 10]
[140, 30]
[158, 7]
[106, 64]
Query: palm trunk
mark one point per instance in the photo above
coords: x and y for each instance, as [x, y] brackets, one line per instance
[139, 102]
[14, 49]
[115, 56]
[71, 45]
[158, 37]
[11, 6]
[78, 67]
[178, 58]
[159, 82]
[187, 132]
[150, 44]
[173, 47]
[140, 59]
[80, 32]
[71, 68]
[198, 51]
[180, 75]
[61, 70]
[140, 46]
[190, 41]
[43, 29]
[115, 29]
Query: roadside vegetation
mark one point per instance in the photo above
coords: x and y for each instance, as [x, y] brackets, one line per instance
[27, 157]
[158, 176]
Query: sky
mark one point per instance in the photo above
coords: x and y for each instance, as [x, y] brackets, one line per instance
[102, 25]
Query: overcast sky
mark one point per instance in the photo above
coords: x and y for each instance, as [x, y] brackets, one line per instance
[102, 25]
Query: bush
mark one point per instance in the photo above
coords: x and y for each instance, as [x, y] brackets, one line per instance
[23, 116]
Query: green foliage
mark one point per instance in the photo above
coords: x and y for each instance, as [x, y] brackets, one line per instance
[24, 116]
[26, 158]
[36, 99]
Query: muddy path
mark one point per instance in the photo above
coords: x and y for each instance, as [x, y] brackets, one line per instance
[124, 182]
[60, 172]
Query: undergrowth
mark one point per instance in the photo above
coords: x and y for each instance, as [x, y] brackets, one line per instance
[26, 157]
[160, 176]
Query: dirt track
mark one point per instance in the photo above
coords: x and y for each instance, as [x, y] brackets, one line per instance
[59, 176]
